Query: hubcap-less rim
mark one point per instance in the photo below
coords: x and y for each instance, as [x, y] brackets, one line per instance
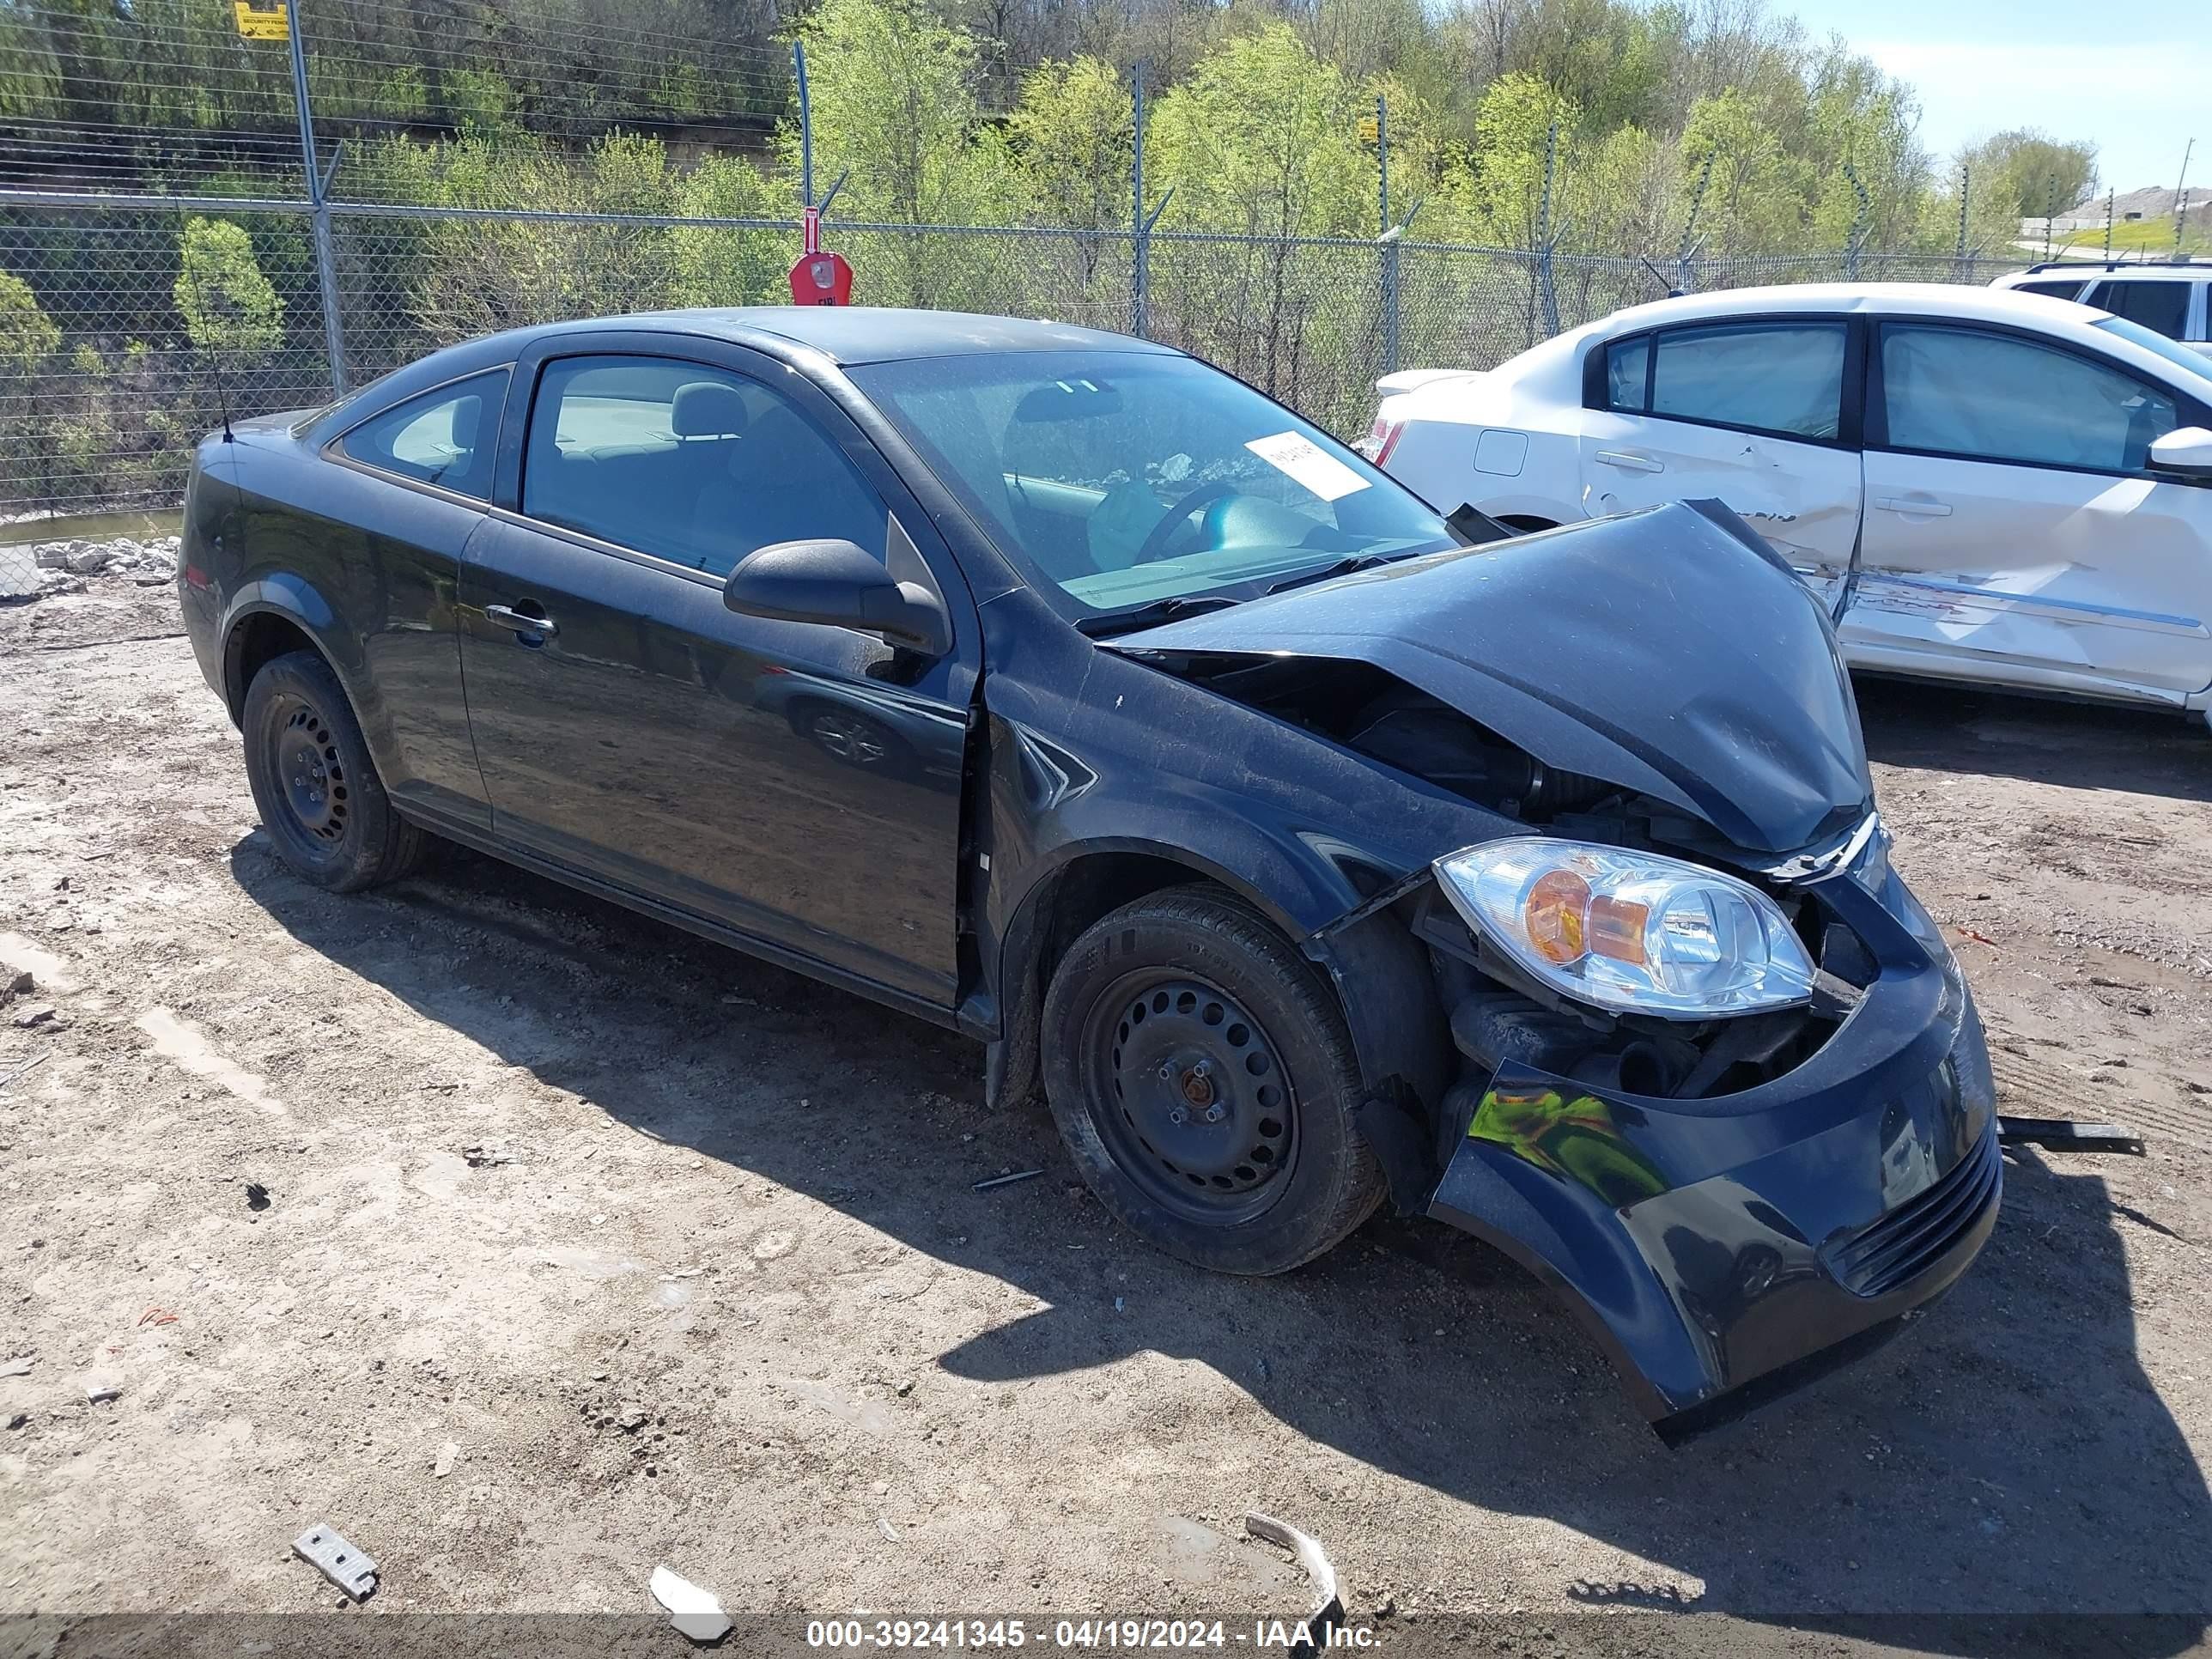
[848, 738]
[312, 779]
[1191, 1096]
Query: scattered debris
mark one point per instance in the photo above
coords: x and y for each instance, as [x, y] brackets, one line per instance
[1978, 938]
[888, 1530]
[20, 1366]
[1008, 1180]
[256, 1196]
[1328, 1608]
[96, 1393]
[8, 1081]
[2064, 1135]
[20, 1420]
[338, 1561]
[478, 1157]
[632, 1419]
[157, 1316]
[694, 1613]
[448, 1455]
[42, 1016]
[19, 984]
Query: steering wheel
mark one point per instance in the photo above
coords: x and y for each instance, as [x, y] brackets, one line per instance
[1205, 496]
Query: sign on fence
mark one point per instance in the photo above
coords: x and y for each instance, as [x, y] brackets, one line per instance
[272, 22]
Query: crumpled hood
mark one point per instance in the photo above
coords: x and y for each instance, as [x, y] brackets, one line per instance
[1668, 651]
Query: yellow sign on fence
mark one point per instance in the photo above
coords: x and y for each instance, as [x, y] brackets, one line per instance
[1370, 129]
[272, 22]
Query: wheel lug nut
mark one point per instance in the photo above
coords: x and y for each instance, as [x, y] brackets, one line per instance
[1177, 1116]
[1215, 1114]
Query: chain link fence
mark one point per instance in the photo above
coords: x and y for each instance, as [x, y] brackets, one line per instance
[128, 325]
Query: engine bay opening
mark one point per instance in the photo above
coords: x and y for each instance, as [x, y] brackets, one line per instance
[1373, 712]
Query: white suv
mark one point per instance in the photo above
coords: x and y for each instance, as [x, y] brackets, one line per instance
[2172, 300]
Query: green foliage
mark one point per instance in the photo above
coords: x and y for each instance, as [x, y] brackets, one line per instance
[27, 335]
[227, 305]
[2027, 174]
[1263, 138]
[1072, 136]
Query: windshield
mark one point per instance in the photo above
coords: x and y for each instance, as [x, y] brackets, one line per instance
[1120, 479]
[2173, 350]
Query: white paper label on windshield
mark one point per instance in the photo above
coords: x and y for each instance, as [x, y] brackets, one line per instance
[1307, 463]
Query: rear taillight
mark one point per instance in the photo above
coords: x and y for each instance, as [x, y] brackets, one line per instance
[1382, 438]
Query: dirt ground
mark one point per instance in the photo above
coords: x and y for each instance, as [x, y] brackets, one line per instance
[533, 1245]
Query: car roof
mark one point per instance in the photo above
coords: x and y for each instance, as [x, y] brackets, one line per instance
[1843, 299]
[2177, 270]
[866, 334]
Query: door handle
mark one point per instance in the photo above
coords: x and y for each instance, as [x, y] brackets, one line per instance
[1906, 504]
[521, 621]
[1623, 459]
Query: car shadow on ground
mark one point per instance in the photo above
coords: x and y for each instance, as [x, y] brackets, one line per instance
[2007, 1455]
[2076, 745]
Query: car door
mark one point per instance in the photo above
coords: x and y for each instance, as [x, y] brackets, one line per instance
[797, 783]
[384, 527]
[2014, 534]
[1761, 414]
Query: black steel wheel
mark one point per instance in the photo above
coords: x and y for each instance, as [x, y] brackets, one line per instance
[1189, 1092]
[320, 798]
[1200, 1073]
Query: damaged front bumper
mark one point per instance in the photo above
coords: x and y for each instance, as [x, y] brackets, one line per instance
[1723, 1250]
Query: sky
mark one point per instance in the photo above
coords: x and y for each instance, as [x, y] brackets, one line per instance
[2134, 78]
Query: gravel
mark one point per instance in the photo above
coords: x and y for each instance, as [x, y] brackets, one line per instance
[803, 1358]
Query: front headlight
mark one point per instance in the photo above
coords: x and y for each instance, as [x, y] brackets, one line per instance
[1630, 931]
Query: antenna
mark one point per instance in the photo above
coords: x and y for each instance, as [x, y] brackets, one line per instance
[221, 393]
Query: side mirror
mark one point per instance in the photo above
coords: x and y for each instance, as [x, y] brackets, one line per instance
[2184, 453]
[842, 584]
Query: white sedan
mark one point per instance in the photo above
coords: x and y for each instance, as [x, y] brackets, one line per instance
[1984, 486]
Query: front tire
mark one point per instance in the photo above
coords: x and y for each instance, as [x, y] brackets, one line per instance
[1201, 1075]
[320, 798]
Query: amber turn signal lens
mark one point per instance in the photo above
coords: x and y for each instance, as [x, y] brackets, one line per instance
[1557, 914]
[1616, 929]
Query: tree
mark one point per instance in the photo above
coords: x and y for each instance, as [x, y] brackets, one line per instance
[2027, 174]
[227, 305]
[893, 95]
[1263, 138]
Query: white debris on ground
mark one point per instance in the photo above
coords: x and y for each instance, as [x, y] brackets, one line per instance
[33, 571]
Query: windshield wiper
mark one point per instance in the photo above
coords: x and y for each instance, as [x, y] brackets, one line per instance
[1170, 609]
[1343, 566]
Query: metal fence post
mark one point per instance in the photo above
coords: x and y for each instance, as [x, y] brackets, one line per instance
[319, 202]
[1140, 239]
[1389, 240]
[1546, 283]
[1966, 198]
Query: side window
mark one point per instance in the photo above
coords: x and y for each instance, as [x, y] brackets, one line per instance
[1998, 398]
[1628, 375]
[2065, 290]
[1783, 378]
[695, 465]
[2163, 306]
[444, 437]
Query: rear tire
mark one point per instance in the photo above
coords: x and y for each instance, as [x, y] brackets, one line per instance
[1202, 1077]
[320, 799]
